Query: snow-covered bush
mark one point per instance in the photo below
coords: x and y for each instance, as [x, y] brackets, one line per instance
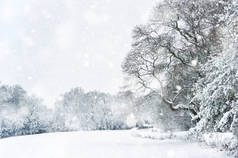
[38, 117]
[220, 139]
[223, 141]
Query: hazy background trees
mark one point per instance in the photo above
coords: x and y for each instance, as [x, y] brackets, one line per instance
[82, 110]
[20, 113]
[23, 114]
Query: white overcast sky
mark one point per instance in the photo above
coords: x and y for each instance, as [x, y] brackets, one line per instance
[51, 46]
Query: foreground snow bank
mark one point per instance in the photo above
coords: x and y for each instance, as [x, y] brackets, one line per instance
[224, 141]
[101, 144]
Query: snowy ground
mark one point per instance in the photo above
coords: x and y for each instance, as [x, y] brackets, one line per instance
[101, 144]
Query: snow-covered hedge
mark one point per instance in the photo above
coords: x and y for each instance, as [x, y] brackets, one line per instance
[224, 141]
[154, 133]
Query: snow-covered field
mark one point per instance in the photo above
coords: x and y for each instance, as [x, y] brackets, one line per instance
[101, 144]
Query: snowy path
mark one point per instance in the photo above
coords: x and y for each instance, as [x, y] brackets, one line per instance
[100, 144]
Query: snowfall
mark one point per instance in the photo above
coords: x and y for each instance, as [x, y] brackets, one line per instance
[102, 144]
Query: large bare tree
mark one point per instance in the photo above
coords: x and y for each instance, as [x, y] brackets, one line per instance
[167, 52]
